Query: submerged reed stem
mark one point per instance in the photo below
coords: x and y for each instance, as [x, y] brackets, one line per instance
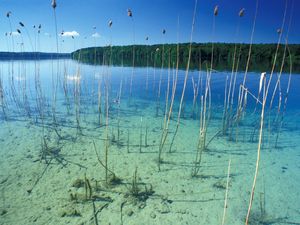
[185, 77]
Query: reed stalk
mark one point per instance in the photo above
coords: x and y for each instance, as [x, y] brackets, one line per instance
[128, 150]
[3, 104]
[66, 91]
[165, 125]
[154, 69]
[204, 119]
[185, 77]
[196, 87]
[129, 13]
[279, 118]
[146, 136]
[147, 68]
[227, 113]
[99, 101]
[141, 134]
[226, 193]
[107, 170]
[205, 112]
[77, 100]
[160, 75]
[119, 108]
[239, 106]
[106, 129]
[265, 95]
[174, 86]
[285, 99]
[55, 84]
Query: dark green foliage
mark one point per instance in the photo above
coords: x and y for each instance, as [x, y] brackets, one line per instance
[261, 57]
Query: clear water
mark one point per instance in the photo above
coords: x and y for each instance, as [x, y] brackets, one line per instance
[50, 174]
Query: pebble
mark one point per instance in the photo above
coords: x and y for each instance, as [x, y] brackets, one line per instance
[129, 212]
[164, 209]
[152, 215]
[142, 205]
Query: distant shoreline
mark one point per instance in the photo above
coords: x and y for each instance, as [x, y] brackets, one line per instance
[160, 55]
[8, 56]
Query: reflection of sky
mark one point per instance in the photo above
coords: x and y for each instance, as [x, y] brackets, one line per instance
[90, 75]
[149, 18]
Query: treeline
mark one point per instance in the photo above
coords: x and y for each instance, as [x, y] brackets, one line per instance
[262, 56]
[32, 55]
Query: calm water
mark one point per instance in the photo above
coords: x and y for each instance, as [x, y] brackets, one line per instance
[53, 115]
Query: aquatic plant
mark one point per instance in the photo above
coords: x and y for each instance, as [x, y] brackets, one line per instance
[147, 66]
[230, 92]
[118, 101]
[226, 193]
[282, 114]
[197, 86]
[141, 135]
[165, 131]
[205, 102]
[110, 179]
[28, 35]
[55, 81]
[135, 190]
[129, 13]
[241, 94]
[106, 129]
[2, 99]
[160, 75]
[266, 88]
[185, 77]
[99, 101]
[166, 117]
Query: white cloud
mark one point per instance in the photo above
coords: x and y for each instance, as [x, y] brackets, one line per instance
[14, 33]
[96, 35]
[70, 34]
[47, 34]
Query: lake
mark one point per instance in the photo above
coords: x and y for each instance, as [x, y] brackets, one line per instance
[82, 143]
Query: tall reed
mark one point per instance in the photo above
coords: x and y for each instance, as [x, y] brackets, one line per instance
[205, 111]
[129, 13]
[106, 129]
[205, 102]
[118, 101]
[160, 75]
[185, 77]
[281, 116]
[55, 80]
[227, 111]
[264, 101]
[166, 119]
[197, 86]
[165, 131]
[2, 99]
[241, 93]
[147, 66]
[226, 193]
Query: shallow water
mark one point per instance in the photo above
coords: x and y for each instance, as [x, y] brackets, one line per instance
[50, 173]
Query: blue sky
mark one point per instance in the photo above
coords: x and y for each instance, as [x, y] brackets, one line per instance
[149, 18]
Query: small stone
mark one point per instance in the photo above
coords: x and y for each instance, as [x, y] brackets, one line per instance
[142, 205]
[3, 212]
[152, 215]
[164, 209]
[78, 183]
[129, 212]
